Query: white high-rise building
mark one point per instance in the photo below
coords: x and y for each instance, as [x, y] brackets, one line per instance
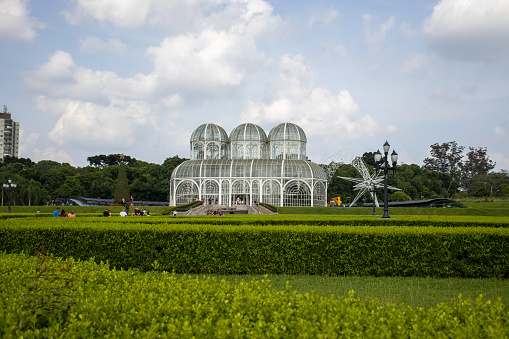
[9, 135]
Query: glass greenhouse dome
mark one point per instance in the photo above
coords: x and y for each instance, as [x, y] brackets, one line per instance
[249, 167]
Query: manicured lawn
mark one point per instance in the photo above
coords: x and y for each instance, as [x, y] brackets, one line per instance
[412, 291]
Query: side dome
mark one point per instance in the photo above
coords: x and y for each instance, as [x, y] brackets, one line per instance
[248, 141]
[209, 141]
[287, 141]
[248, 132]
[209, 132]
[287, 132]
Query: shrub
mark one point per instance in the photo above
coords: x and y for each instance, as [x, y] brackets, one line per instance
[182, 208]
[113, 303]
[295, 249]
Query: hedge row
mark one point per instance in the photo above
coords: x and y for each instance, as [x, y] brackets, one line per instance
[298, 219]
[333, 250]
[124, 304]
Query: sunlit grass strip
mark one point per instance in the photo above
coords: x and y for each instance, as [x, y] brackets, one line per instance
[287, 220]
[114, 303]
[412, 291]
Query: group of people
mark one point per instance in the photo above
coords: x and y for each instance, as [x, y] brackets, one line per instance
[218, 212]
[137, 212]
[57, 213]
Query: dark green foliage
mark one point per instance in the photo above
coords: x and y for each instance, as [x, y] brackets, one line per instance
[49, 292]
[271, 208]
[122, 186]
[39, 183]
[182, 208]
[124, 304]
[298, 249]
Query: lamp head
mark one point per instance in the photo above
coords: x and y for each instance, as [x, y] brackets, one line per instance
[386, 147]
[378, 156]
[394, 157]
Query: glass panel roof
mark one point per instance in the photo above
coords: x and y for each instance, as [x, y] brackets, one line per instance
[255, 168]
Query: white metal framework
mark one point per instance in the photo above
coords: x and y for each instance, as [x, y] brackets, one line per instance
[369, 182]
[249, 168]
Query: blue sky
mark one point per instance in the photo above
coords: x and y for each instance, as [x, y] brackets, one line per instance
[88, 77]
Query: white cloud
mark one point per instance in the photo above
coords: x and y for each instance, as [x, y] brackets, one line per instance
[110, 111]
[122, 13]
[15, 22]
[175, 16]
[30, 147]
[93, 45]
[327, 19]
[113, 125]
[375, 39]
[470, 29]
[407, 30]
[316, 109]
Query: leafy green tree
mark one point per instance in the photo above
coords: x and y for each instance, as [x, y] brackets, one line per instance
[477, 162]
[399, 196]
[122, 186]
[446, 158]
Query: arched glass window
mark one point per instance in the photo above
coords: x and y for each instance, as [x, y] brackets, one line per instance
[212, 150]
[210, 192]
[197, 152]
[319, 194]
[297, 193]
[271, 192]
[186, 192]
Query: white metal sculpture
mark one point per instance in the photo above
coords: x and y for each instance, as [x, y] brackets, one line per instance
[368, 183]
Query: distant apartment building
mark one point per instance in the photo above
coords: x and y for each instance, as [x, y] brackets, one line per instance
[9, 135]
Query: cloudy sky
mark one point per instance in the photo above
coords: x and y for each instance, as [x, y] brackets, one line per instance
[88, 77]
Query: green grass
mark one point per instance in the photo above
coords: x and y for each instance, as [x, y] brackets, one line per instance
[115, 210]
[412, 291]
[425, 292]
[486, 207]
[474, 208]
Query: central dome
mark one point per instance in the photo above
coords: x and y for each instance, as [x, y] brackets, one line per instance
[248, 132]
[248, 141]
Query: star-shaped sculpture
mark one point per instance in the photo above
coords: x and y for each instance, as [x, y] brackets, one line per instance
[368, 183]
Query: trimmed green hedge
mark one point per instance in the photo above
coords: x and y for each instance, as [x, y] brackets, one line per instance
[126, 304]
[182, 208]
[333, 250]
[271, 208]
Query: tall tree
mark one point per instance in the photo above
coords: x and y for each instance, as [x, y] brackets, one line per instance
[477, 162]
[122, 187]
[446, 158]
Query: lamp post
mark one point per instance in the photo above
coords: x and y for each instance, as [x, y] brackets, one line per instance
[383, 164]
[9, 187]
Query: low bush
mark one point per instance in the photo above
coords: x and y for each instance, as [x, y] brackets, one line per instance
[296, 249]
[182, 208]
[271, 208]
[113, 303]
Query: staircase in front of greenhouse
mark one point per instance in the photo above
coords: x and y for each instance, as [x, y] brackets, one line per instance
[236, 209]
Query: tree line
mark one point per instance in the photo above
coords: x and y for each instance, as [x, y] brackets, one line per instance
[449, 172]
[39, 183]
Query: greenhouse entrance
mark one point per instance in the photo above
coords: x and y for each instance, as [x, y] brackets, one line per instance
[240, 199]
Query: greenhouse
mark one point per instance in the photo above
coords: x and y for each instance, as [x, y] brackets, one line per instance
[248, 167]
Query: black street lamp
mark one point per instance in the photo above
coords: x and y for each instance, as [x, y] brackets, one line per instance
[384, 164]
[9, 187]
